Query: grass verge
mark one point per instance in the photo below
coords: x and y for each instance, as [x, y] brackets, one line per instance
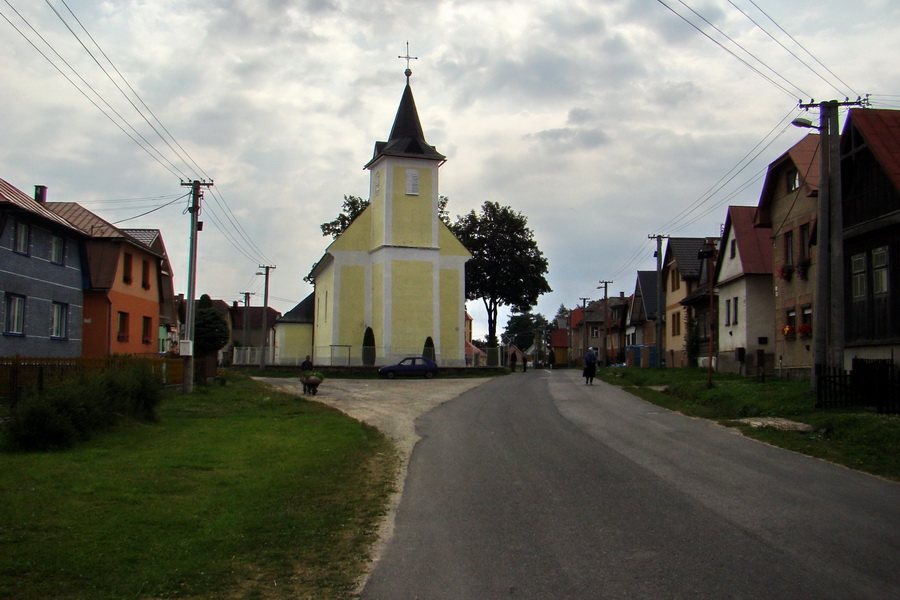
[856, 438]
[238, 492]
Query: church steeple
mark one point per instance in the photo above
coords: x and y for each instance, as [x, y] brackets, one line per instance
[407, 138]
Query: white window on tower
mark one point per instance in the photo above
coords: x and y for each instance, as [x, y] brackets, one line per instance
[412, 182]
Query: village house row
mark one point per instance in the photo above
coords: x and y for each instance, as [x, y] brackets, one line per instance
[762, 266]
[73, 284]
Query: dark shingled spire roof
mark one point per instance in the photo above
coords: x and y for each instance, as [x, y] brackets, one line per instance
[407, 138]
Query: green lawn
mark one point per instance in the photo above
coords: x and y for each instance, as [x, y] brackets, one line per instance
[238, 492]
[856, 438]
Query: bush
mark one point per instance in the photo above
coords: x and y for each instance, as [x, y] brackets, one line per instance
[61, 415]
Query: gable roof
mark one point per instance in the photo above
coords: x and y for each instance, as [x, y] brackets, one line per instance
[302, 313]
[880, 129]
[95, 226]
[645, 302]
[684, 251]
[407, 138]
[13, 197]
[804, 156]
[754, 244]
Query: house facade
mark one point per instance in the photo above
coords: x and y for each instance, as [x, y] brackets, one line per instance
[294, 333]
[746, 301]
[681, 272]
[641, 321]
[122, 300]
[870, 179]
[42, 274]
[788, 205]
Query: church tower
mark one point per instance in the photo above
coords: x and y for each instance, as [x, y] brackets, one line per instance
[397, 268]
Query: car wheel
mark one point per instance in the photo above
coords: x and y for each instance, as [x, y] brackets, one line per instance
[428, 374]
[390, 374]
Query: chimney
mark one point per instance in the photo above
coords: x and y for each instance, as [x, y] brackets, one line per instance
[234, 304]
[40, 193]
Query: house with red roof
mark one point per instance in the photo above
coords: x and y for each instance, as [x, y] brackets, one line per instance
[870, 184]
[746, 301]
[788, 206]
[124, 295]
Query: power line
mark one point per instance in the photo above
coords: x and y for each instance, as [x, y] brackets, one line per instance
[803, 48]
[789, 51]
[720, 45]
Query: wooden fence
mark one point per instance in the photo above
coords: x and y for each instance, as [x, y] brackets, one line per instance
[870, 382]
[20, 375]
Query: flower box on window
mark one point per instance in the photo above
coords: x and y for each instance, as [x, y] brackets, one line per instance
[122, 337]
[145, 285]
[786, 271]
[145, 340]
[127, 279]
[789, 332]
[804, 330]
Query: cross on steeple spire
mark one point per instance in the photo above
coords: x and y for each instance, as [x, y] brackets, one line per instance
[408, 71]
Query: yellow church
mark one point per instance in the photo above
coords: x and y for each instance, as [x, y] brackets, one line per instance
[397, 268]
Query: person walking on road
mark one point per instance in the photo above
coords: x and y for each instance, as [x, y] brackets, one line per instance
[590, 367]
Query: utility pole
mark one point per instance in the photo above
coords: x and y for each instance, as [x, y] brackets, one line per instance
[660, 309]
[246, 310]
[605, 285]
[828, 315]
[265, 317]
[583, 326]
[709, 254]
[186, 348]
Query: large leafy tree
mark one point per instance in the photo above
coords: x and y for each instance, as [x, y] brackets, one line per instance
[353, 207]
[507, 267]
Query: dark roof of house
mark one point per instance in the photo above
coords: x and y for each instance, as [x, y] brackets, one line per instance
[647, 286]
[407, 138]
[302, 313]
[254, 316]
[804, 155]
[685, 252]
[11, 196]
[95, 226]
[881, 130]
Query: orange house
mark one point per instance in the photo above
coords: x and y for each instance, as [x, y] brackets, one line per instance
[125, 297]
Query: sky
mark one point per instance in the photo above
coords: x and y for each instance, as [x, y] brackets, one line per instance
[602, 123]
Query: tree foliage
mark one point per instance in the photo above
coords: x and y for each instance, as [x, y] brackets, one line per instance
[507, 267]
[210, 328]
[353, 206]
[521, 327]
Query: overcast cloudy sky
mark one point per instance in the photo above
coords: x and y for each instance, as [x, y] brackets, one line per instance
[602, 122]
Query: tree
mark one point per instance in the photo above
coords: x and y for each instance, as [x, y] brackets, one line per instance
[210, 328]
[350, 209]
[521, 327]
[561, 313]
[507, 267]
[353, 206]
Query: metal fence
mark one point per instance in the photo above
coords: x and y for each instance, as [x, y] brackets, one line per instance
[870, 382]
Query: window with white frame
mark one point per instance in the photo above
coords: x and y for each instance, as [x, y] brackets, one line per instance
[858, 275]
[23, 238]
[59, 321]
[57, 249]
[15, 315]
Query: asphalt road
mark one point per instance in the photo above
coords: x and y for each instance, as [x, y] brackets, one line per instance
[538, 486]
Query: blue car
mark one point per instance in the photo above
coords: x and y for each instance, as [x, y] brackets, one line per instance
[413, 366]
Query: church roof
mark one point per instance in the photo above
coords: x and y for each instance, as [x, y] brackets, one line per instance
[407, 138]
